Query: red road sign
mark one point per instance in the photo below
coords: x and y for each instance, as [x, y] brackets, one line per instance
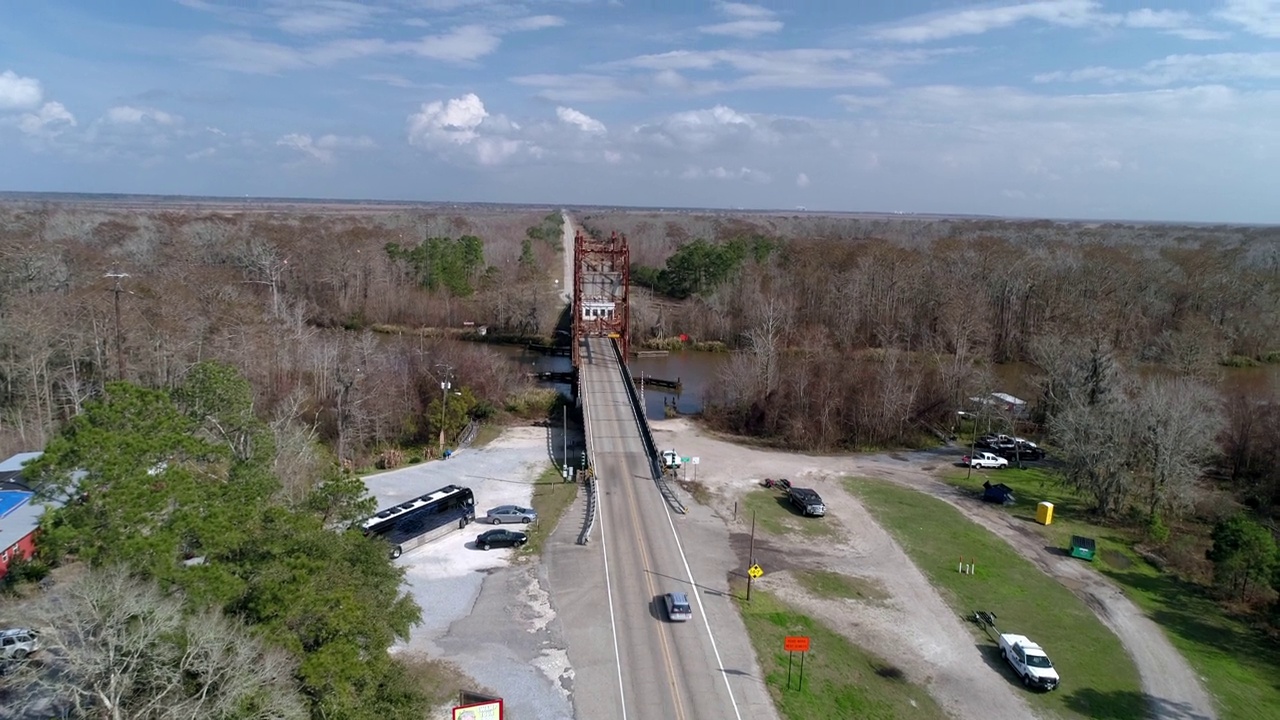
[796, 643]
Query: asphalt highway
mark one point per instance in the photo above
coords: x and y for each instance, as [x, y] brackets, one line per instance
[665, 670]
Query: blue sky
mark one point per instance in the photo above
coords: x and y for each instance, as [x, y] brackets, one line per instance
[1052, 108]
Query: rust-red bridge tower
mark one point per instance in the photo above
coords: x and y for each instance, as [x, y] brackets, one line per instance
[601, 291]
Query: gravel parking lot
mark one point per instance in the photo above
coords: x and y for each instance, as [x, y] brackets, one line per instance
[480, 610]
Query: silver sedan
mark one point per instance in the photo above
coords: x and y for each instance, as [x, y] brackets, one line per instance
[511, 514]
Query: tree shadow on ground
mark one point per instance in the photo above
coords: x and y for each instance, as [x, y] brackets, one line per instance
[1195, 617]
[1126, 705]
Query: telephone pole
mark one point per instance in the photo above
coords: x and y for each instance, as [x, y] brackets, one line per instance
[445, 386]
[118, 276]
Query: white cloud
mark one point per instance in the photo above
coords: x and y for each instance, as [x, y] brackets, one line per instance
[745, 174]
[201, 154]
[580, 120]
[129, 115]
[325, 147]
[322, 17]
[802, 180]
[19, 93]
[534, 22]
[463, 123]
[747, 21]
[1179, 69]
[50, 120]
[466, 43]
[1172, 22]
[978, 20]
[578, 87]
[1260, 17]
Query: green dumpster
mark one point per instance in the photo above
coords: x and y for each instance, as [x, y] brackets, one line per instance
[1083, 547]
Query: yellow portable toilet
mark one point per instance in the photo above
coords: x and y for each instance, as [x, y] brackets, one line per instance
[1044, 513]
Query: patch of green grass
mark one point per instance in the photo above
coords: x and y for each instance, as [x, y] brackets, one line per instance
[551, 497]
[487, 433]
[1099, 679]
[841, 680]
[827, 584]
[1071, 514]
[776, 516]
[1239, 665]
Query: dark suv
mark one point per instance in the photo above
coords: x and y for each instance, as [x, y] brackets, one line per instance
[807, 501]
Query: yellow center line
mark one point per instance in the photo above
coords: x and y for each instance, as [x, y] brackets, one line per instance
[648, 579]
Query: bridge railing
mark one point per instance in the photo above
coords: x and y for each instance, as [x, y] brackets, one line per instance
[637, 408]
[593, 490]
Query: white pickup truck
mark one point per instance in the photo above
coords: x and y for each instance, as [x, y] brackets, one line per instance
[671, 460]
[1029, 661]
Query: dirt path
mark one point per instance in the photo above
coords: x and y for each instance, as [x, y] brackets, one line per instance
[910, 627]
[1174, 690]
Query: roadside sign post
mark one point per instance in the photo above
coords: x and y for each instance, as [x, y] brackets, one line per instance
[796, 644]
[751, 555]
[694, 462]
[753, 572]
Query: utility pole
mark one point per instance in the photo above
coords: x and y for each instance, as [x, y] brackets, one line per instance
[564, 413]
[751, 554]
[445, 386]
[118, 276]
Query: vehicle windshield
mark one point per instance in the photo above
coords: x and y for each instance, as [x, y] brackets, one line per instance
[1039, 661]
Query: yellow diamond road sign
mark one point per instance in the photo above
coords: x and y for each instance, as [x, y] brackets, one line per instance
[755, 571]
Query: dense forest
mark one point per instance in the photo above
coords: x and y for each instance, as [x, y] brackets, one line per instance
[846, 332]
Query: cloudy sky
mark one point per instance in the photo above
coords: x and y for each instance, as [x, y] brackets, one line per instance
[1052, 108]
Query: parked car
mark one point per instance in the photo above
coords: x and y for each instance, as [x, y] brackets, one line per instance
[671, 460]
[18, 643]
[678, 607]
[807, 501]
[984, 460]
[1028, 661]
[500, 538]
[1021, 450]
[511, 514]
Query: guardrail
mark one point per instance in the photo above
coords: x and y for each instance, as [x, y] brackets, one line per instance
[637, 409]
[646, 434]
[593, 498]
[593, 491]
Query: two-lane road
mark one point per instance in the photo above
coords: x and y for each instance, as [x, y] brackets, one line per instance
[665, 671]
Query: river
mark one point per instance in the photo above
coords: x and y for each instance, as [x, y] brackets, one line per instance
[695, 370]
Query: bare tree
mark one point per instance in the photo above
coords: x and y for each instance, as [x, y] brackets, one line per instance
[117, 647]
[1176, 424]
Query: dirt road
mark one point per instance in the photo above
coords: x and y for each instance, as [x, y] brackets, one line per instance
[955, 673]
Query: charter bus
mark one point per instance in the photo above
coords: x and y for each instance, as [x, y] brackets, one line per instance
[422, 519]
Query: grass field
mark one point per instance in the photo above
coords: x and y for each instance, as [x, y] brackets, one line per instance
[840, 679]
[776, 516]
[833, 585]
[551, 497]
[1239, 665]
[1098, 678]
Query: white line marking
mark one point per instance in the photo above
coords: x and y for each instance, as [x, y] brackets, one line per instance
[604, 544]
[697, 596]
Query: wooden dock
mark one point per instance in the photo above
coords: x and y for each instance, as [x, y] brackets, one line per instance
[642, 381]
[650, 353]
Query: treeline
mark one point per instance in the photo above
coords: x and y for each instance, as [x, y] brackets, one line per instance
[321, 313]
[211, 588]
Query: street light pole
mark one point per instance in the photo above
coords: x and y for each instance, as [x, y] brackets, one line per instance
[445, 386]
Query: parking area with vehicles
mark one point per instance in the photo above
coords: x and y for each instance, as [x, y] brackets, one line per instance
[960, 667]
[488, 613]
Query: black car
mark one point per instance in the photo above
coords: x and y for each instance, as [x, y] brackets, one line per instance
[1020, 451]
[807, 501]
[500, 538]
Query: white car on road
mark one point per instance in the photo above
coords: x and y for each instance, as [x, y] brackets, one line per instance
[984, 460]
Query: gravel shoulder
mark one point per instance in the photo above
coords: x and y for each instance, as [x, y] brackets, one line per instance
[953, 669]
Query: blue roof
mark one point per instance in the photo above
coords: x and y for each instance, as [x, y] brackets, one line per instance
[11, 500]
